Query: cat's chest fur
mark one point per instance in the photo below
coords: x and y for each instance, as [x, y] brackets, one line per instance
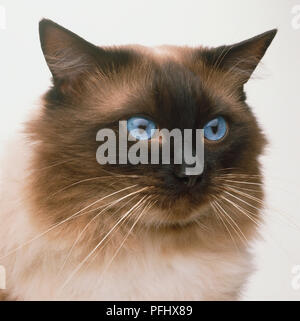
[150, 276]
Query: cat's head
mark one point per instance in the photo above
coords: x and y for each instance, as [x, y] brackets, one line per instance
[169, 87]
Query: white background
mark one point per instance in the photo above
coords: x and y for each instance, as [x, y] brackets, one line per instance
[273, 93]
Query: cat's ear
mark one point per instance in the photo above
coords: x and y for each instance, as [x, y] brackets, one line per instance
[66, 54]
[242, 58]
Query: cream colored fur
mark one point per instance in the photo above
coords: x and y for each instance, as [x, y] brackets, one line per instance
[146, 273]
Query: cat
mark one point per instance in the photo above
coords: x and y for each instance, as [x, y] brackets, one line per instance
[72, 229]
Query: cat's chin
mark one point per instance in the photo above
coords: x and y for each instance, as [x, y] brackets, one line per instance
[176, 215]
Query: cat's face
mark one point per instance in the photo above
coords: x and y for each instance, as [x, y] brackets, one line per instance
[174, 87]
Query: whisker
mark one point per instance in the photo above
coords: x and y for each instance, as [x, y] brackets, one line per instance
[244, 212]
[240, 209]
[95, 217]
[234, 222]
[88, 180]
[244, 189]
[243, 201]
[147, 207]
[64, 221]
[219, 215]
[283, 218]
[235, 174]
[33, 171]
[243, 182]
[99, 244]
[115, 231]
[246, 195]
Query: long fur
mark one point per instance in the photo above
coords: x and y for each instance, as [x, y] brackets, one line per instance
[72, 229]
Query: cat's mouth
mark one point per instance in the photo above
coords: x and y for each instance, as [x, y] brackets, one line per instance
[179, 200]
[178, 211]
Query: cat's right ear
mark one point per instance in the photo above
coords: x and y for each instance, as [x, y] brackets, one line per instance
[242, 58]
[66, 54]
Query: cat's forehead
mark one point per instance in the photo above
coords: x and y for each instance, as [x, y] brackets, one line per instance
[174, 53]
[181, 70]
[169, 93]
[165, 83]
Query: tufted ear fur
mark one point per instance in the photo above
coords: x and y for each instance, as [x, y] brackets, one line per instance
[241, 58]
[66, 54]
[70, 57]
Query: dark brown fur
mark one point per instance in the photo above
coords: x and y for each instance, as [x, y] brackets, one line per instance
[94, 88]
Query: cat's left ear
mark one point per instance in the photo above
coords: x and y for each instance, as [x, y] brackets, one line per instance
[242, 58]
[66, 54]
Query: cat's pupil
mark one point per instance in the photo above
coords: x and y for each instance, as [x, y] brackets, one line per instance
[214, 129]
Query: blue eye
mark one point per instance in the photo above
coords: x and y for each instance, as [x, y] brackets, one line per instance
[215, 129]
[140, 127]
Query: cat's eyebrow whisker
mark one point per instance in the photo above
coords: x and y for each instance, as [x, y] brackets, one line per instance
[64, 221]
[96, 216]
[99, 244]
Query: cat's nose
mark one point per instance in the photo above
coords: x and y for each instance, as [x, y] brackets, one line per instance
[189, 180]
